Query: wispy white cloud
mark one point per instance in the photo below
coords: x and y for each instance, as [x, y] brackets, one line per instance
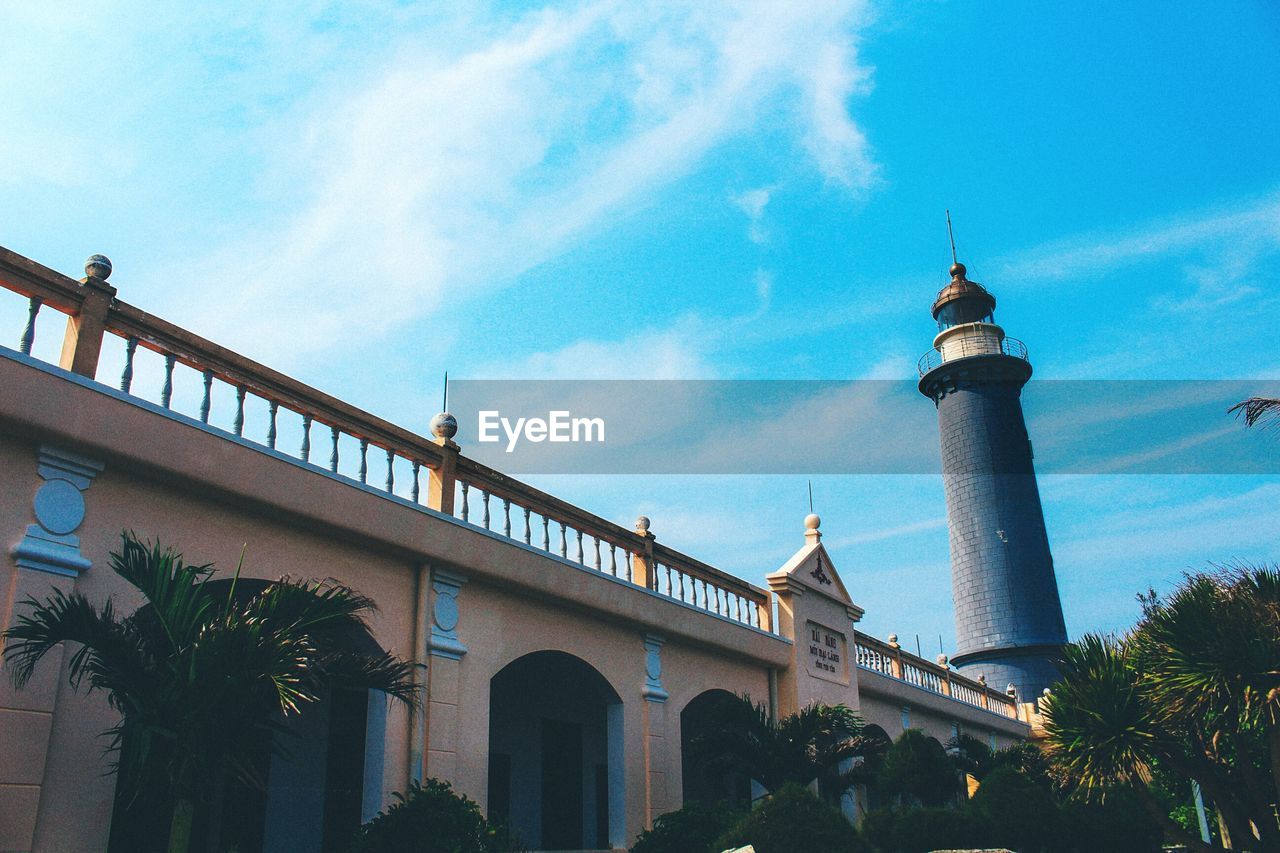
[880, 535]
[752, 203]
[673, 353]
[444, 174]
[1246, 227]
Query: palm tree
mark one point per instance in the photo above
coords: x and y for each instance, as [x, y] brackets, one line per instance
[817, 743]
[199, 673]
[1210, 653]
[1104, 729]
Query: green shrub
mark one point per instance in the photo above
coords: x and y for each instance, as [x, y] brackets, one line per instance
[692, 829]
[1017, 812]
[793, 820]
[1116, 824]
[921, 829]
[918, 770]
[430, 818]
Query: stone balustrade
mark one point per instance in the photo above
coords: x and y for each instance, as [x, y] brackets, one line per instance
[888, 658]
[348, 442]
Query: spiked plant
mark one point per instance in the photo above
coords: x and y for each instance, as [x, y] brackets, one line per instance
[808, 745]
[1211, 656]
[1101, 731]
[199, 673]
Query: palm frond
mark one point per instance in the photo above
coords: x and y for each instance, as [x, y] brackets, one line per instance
[1257, 409]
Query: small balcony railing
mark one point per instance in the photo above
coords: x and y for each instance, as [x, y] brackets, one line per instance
[958, 348]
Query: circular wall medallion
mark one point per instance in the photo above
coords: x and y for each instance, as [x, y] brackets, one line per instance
[446, 612]
[59, 507]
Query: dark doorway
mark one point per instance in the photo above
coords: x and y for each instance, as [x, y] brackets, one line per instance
[561, 785]
[705, 780]
[555, 754]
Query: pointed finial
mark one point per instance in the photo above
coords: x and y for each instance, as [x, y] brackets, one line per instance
[952, 237]
[444, 407]
[957, 269]
[811, 496]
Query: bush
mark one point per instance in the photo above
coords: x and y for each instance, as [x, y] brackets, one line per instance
[692, 829]
[918, 770]
[921, 830]
[1017, 812]
[1116, 824]
[793, 820]
[430, 818]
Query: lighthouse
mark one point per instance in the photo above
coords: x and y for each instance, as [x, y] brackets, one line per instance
[1009, 624]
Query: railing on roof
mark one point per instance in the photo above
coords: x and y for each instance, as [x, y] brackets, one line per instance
[889, 659]
[966, 347]
[334, 435]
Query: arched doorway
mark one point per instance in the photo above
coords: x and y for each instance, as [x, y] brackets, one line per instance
[555, 754]
[704, 781]
[320, 773]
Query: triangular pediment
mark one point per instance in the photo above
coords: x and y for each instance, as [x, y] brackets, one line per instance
[811, 571]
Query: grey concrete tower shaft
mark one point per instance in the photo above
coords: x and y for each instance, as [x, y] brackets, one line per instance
[1009, 623]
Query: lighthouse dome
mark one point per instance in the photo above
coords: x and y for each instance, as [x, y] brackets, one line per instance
[963, 301]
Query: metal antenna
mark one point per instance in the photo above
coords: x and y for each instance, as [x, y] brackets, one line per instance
[445, 406]
[811, 496]
[952, 237]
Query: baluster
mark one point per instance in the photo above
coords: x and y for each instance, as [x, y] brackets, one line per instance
[237, 425]
[564, 544]
[613, 559]
[364, 460]
[484, 496]
[696, 581]
[166, 391]
[306, 438]
[528, 532]
[391, 471]
[29, 333]
[597, 538]
[272, 408]
[680, 576]
[629, 559]
[506, 517]
[546, 534]
[206, 402]
[716, 597]
[126, 377]
[580, 560]
[416, 467]
[333, 454]
[737, 607]
[466, 511]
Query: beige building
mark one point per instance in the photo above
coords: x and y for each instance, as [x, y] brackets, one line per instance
[562, 654]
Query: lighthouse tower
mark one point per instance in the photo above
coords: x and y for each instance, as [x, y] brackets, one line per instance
[1009, 623]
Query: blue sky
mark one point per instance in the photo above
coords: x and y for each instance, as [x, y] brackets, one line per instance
[365, 195]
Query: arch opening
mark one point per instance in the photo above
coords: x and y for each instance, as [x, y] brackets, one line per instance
[705, 781]
[556, 754]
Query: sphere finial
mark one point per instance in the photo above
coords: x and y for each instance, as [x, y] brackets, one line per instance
[642, 524]
[812, 521]
[444, 425]
[98, 266]
[958, 271]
